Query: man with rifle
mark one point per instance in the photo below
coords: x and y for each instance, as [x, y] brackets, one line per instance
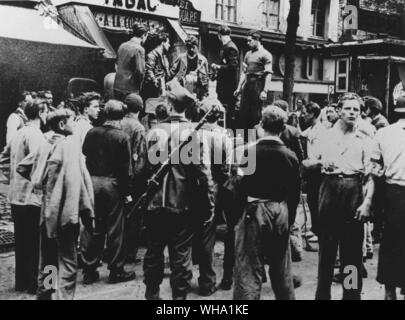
[177, 149]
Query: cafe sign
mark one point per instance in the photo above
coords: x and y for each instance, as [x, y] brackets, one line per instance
[188, 14]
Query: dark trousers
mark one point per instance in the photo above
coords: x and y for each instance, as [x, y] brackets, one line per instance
[262, 236]
[61, 253]
[176, 231]
[203, 254]
[229, 253]
[314, 180]
[110, 224]
[26, 233]
[391, 262]
[339, 198]
[228, 100]
[134, 226]
[251, 105]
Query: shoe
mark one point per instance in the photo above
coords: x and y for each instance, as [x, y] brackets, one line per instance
[297, 281]
[205, 292]
[121, 276]
[90, 277]
[226, 284]
[152, 294]
[311, 248]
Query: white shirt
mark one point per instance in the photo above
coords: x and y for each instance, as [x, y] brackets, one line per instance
[389, 146]
[349, 152]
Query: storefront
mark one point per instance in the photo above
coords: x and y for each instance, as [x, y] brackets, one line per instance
[36, 53]
[108, 23]
[369, 67]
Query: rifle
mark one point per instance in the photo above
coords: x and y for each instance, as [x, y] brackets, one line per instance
[155, 181]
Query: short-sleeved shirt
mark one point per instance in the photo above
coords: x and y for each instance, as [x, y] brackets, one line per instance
[388, 153]
[349, 152]
[258, 62]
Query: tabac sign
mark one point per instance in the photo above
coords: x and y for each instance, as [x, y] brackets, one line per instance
[153, 7]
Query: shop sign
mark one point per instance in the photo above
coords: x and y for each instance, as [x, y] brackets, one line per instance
[153, 7]
[371, 21]
[125, 22]
[188, 14]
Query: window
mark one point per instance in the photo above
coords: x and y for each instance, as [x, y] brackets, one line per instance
[318, 16]
[226, 10]
[342, 75]
[271, 10]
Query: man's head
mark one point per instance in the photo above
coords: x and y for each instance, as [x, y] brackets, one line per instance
[311, 113]
[180, 99]
[350, 107]
[134, 103]
[254, 39]
[161, 112]
[300, 103]
[61, 121]
[332, 113]
[224, 33]
[282, 104]
[47, 96]
[273, 120]
[140, 31]
[114, 110]
[36, 109]
[373, 106]
[164, 40]
[214, 105]
[25, 97]
[192, 45]
[89, 105]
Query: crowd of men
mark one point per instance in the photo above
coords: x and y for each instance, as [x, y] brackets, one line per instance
[77, 170]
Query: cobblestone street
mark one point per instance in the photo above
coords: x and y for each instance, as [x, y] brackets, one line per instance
[135, 290]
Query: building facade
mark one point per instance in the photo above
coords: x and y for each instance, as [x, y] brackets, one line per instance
[370, 52]
[319, 19]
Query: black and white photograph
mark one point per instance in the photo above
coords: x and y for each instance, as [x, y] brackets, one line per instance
[221, 151]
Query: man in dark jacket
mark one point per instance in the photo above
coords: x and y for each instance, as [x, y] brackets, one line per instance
[157, 68]
[130, 64]
[108, 159]
[172, 212]
[227, 74]
[262, 234]
[191, 69]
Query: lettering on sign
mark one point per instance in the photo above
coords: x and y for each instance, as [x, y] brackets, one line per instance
[125, 22]
[188, 14]
[142, 5]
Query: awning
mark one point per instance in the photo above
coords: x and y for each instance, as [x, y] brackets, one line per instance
[81, 20]
[382, 58]
[179, 29]
[303, 87]
[376, 47]
[27, 24]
